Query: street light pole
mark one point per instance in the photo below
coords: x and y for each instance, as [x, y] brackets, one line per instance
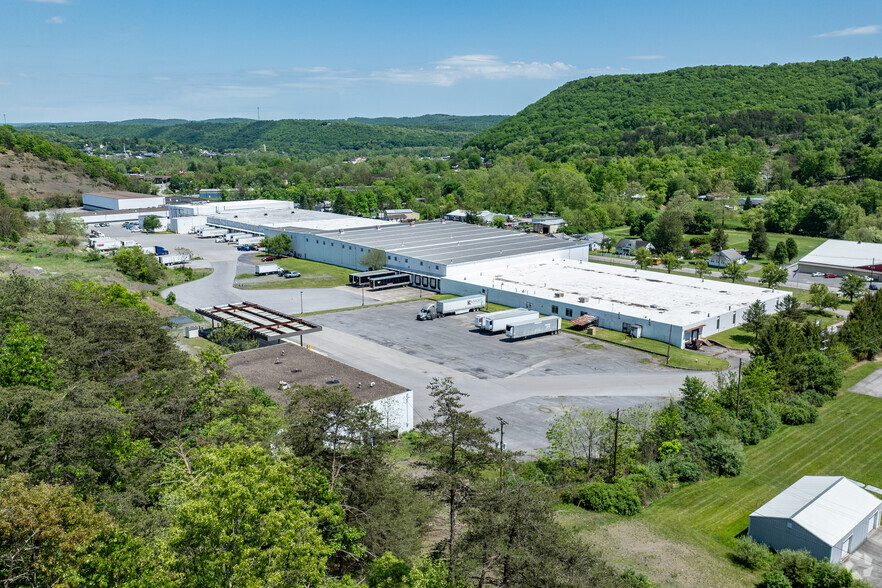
[502, 423]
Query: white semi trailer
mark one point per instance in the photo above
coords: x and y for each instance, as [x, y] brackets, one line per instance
[533, 327]
[459, 305]
[266, 269]
[173, 259]
[498, 323]
[206, 233]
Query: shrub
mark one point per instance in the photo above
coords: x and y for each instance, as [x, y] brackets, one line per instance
[797, 411]
[752, 555]
[170, 299]
[681, 467]
[722, 454]
[618, 498]
[775, 579]
[814, 398]
[833, 575]
[798, 566]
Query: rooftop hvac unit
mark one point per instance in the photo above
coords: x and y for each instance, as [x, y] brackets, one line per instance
[583, 299]
[558, 294]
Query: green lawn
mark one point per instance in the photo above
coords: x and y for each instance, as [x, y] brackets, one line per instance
[740, 338]
[680, 358]
[313, 275]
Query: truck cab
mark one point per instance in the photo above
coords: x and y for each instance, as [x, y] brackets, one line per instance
[428, 312]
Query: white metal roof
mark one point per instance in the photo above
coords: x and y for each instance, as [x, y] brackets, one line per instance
[826, 506]
[669, 298]
[845, 253]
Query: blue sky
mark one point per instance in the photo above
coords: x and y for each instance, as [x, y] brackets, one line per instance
[79, 60]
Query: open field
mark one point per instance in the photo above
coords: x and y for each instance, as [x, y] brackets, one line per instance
[685, 537]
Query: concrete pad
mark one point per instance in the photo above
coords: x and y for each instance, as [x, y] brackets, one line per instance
[866, 562]
[871, 385]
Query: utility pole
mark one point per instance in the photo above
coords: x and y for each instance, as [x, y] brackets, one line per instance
[738, 397]
[616, 445]
[670, 330]
[502, 423]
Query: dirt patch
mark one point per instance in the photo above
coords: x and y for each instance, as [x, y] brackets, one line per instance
[26, 175]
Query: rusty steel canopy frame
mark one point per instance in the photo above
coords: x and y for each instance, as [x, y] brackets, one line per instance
[264, 323]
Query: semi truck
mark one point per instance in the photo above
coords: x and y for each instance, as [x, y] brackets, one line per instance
[533, 327]
[496, 322]
[459, 305]
[173, 259]
[266, 269]
[160, 250]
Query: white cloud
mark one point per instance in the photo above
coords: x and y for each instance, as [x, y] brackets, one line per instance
[55, 20]
[49, 1]
[647, 57]
[865, 30]
[448, 72]
[263, 72]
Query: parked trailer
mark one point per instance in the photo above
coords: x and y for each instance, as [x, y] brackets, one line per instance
[206, 233]
[532, 328]
[174, 259]
[266, 269]
[251, 240]
[363, 279]
[105, 244]
[500, 323]
[149, 249]
[231, 238]
[393, 281]
[462, 304]
[479, 318]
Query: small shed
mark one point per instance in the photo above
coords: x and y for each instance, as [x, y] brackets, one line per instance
[830, 516]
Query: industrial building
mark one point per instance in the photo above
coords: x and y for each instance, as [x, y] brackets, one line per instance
[121, 201]
[280, 367]
[844, 257]
[830, 516]
[666, 307]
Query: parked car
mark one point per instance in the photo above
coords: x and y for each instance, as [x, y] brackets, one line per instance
[829, 275]
[103, 224]
[270, 258]
[290, 274]
[817, 274]
[243, 248]
[874, 286]
[869, 279]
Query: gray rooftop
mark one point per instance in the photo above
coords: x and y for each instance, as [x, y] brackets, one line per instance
[826, 506]
[449, 243]
[845, 253]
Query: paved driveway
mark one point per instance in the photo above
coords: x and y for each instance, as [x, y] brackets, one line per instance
[871, 385]
[866, 562]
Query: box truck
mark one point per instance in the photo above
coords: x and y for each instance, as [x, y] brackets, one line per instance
[533, 327]
[266, 269]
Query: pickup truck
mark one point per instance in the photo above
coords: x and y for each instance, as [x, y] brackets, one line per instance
[289, 274]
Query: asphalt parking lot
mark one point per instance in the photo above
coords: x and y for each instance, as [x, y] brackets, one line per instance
[455, 343]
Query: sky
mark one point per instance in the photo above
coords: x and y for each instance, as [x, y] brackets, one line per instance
[110, 60]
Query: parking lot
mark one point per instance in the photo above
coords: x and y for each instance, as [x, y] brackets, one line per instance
[455, 343]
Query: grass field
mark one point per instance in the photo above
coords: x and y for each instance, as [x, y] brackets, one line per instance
[685, 537]
[680, 358]
[312, 275]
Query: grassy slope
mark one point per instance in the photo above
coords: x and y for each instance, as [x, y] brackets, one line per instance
[703, 519]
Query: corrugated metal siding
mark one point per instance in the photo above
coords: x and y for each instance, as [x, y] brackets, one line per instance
[775, 533]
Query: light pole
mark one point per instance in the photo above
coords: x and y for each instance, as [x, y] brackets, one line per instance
[502, 423]
[301, 303]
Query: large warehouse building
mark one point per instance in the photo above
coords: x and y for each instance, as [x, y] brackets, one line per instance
[659, 306]
[844, 257]
[121, 201]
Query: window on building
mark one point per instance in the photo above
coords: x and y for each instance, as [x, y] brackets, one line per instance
[734, 314]
[718, 323]
[554, 309]
[568, 312]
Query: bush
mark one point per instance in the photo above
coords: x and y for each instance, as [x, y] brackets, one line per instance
[797, 411]
[170, 299]
[775, 579]
[798, 566]
[618, 498]
[681, 467]
[814, 398]
[752, 555]
[722, 454]
[833, 575]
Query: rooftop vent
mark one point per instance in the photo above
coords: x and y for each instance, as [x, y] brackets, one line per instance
[558, 294]
[341, 231]
[583, 299]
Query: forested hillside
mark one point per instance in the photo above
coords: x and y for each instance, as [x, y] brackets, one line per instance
[299, 138]
[631, 114]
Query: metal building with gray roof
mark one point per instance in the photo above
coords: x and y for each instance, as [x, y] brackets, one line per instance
[830, 516]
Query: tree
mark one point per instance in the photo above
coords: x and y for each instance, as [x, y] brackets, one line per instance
[578, 437]
[719, 240]
[755, 317]
[853, 286]
[12, 224]
[821, 298]
[862, 331]
[498, 221]
[151, 223]
[734, 271]
[789, 308]
[701, 268]
[642, 258]
[772, 275]
[780, 255]
[666, 232]
[374, 259]
[792, 249]
[607, 243]
[138, 265]
[246, 517]
[671, 261]
[277, 245]
[457, 448]
[22, 361]
[759, 241]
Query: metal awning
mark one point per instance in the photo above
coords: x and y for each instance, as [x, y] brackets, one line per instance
[692, 328]
[264, 323]
[584, 321]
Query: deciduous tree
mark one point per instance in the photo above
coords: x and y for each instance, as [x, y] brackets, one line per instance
[772, 275]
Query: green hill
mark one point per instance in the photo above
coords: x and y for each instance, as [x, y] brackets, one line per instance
[303, 138]
[630, 114]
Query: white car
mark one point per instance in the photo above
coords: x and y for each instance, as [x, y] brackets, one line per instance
[817, 274]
